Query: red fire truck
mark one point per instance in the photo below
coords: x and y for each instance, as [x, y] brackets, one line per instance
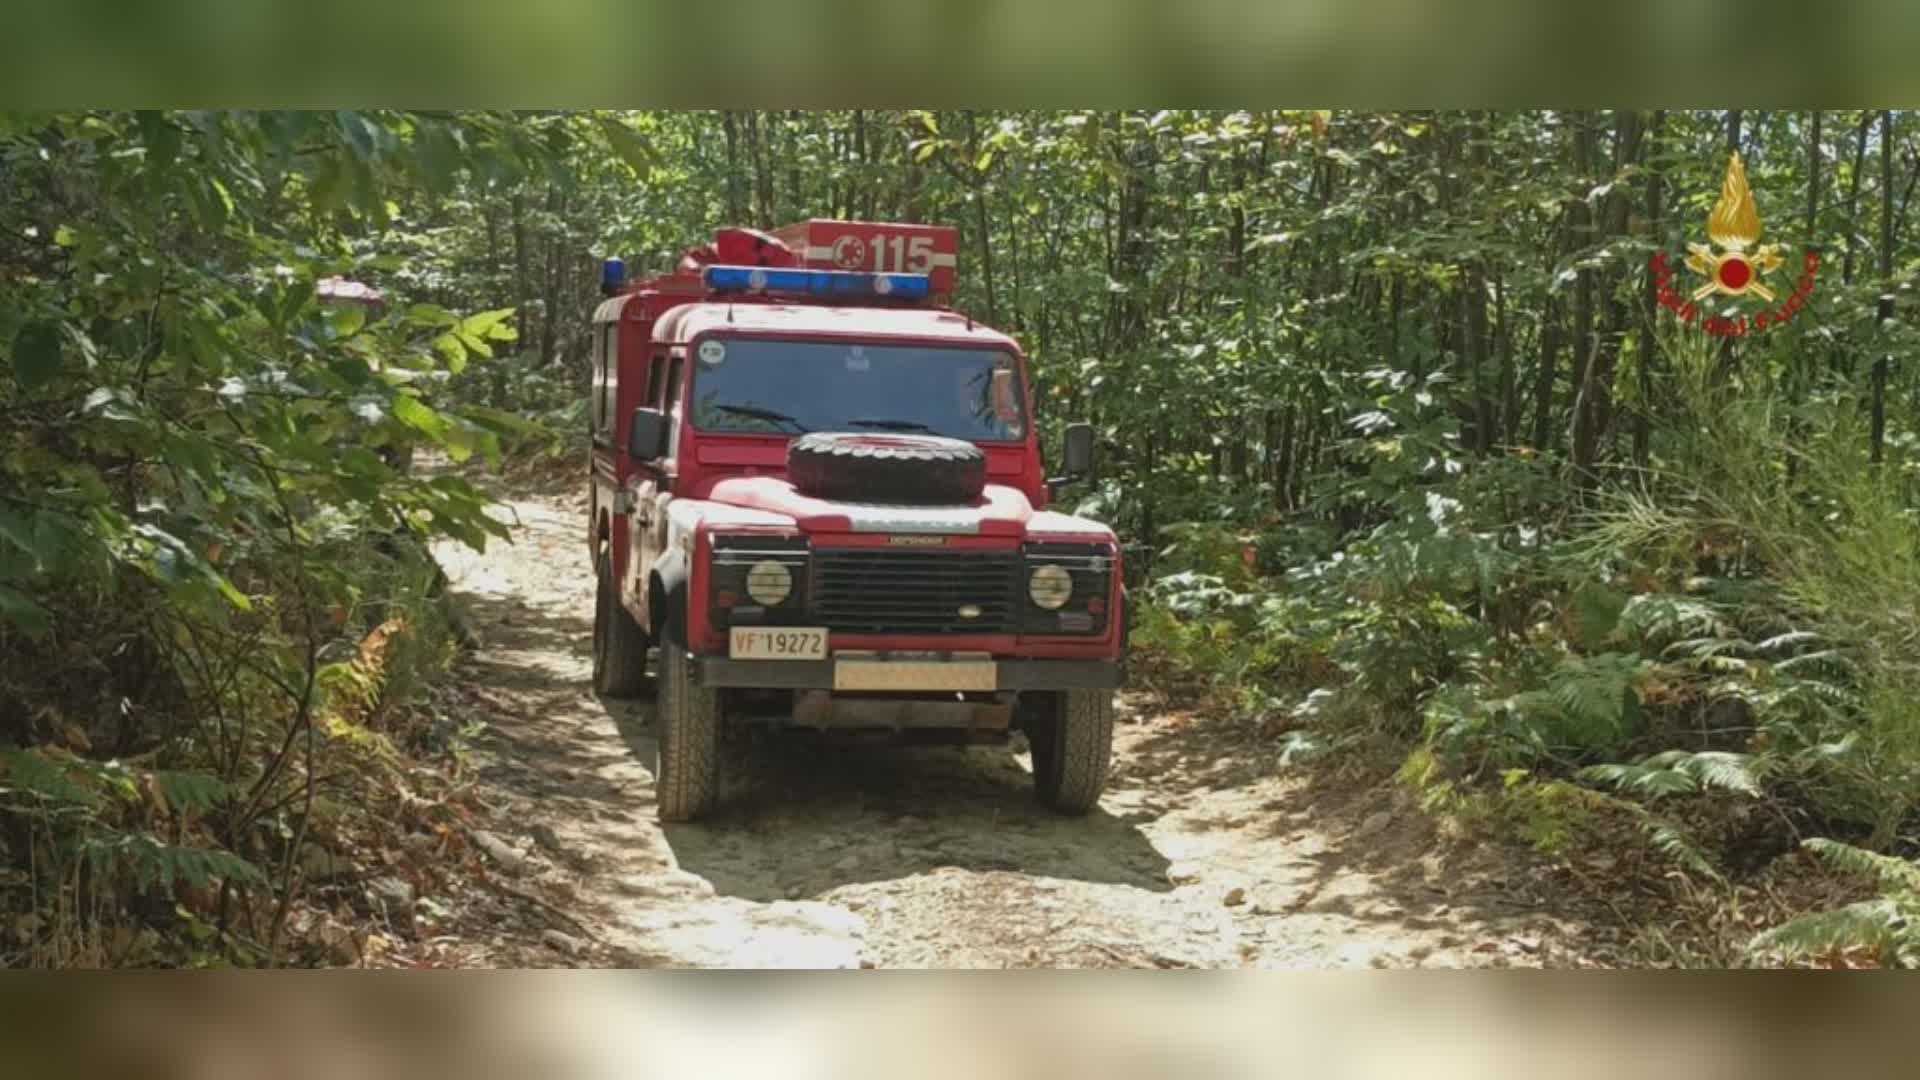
[818, 491]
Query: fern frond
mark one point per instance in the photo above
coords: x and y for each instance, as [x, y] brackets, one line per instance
[1642, 779]
[1654, 618]
[1782, 641]
[153, 862]
[1681, 772]
[38, 774]
[190, 791]
[1875, 924]
[1738, 773]
[1703, 649]
[1674, 842]
[1892, 872]
[1830, 658]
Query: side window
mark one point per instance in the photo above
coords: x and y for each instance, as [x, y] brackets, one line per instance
[595, 420]
[610, 377]
[656, 378]
[675, 369]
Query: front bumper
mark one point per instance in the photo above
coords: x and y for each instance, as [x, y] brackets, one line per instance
[721, 671]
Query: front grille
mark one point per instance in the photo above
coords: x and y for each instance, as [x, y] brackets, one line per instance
[879, 591]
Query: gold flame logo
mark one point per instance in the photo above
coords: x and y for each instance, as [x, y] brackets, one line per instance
[1734, 225]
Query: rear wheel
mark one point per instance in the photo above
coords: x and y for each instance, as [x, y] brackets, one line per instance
[686, 774]
[619, 645]
[1071, 736]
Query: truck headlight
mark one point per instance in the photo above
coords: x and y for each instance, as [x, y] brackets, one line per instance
[1050, 586]
[769, 582]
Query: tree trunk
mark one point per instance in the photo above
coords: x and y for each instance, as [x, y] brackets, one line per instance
[1878, 435]
[1841, 358]
[1800, 372]
[550, 302]
[1580, 227]
[1474, 285]
[982, 219]
[762, 174]
[862, 175]
[1543, 378]
[1508, 423]
[522, 290]
[1593, 398]
[1649, 357]
[736, 198]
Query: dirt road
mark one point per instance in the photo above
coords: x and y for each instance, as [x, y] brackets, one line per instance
[1203, 854]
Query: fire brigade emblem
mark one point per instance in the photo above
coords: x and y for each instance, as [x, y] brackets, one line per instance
[849, 252]
[1734, 226]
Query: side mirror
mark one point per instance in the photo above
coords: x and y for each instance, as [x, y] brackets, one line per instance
[647, 435]
[1079, 450]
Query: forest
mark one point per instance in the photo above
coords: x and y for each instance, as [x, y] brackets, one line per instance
[1432, 460]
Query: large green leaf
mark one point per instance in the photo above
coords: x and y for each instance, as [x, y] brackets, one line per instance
[420, 416]
[36, 353]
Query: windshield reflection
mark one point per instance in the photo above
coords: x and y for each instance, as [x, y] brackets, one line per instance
[770, 387]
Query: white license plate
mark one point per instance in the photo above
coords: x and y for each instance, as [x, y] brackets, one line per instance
[777, 643]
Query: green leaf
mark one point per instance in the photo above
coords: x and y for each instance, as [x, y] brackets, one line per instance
[431, 315]
[344, 322]
[356, 131]
[449, 346]
[19, 609]
[473, 344]
[17, 529]
[190, 790]
[36, 353]
[438, 155]
[1596, 612]
[489, 324]
[502, 421]
[421, 417]
[35, 773]
[637, 152]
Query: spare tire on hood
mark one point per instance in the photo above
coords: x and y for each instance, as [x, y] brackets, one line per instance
[926, 470]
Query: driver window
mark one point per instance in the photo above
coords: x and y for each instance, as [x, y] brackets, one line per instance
[670, 403]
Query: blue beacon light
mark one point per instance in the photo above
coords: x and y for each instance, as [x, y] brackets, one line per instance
[613, 274]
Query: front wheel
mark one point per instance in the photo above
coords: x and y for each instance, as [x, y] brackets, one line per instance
[1071, 736]
[686, 774]
[619, 645]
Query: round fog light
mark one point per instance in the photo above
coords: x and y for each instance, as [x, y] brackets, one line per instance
[1050, 587]
[769, 582]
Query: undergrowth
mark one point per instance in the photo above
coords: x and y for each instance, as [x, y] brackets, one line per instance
[1712, 660]
[169, 810]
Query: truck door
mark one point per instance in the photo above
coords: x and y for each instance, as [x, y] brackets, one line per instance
[653, 482]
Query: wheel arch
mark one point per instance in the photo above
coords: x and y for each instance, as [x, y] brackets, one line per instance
[667, 584]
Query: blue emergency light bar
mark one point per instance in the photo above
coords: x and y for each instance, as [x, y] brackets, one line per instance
[775, 279]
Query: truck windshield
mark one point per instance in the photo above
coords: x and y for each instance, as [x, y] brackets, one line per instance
[762, 386]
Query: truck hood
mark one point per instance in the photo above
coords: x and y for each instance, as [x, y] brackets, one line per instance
[999, 511]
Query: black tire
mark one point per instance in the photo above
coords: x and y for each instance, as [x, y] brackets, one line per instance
[686, 774]
[914, 469]
[619, 644]
[1071, 736]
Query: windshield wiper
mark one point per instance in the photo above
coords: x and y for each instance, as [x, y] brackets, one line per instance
[890, 425]
[758, 413]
